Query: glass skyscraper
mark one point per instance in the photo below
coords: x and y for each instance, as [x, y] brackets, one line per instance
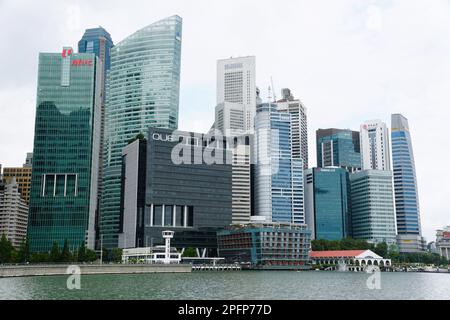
[142, 91]
[338, 148]
[279, 177]
[405, 186]
[66, 150]
[372, 206]
[327, 202]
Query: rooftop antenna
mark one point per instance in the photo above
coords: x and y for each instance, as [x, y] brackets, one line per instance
[269, 95]
[273, 88]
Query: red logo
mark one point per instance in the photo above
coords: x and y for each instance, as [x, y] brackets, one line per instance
[80, 62]
[66, 52]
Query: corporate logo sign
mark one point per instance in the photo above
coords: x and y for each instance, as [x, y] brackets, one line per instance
[67, 52]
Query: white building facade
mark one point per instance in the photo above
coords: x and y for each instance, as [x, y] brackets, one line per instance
[375, 150]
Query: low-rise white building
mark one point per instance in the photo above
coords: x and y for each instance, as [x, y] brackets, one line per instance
[356, 258]
[443, 242]
[151, 255]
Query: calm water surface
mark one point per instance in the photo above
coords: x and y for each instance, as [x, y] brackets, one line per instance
[232, 285]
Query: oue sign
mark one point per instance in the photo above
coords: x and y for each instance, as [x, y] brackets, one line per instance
[163, 137]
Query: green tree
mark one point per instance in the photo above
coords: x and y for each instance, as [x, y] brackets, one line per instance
[81, 256]
[116, 255]
[38, 257]
[66, 255]
[6, 250]
[381, 249]
[24, 252]
[190, 253]
[139, 136]
[55, 254]
[91, 256]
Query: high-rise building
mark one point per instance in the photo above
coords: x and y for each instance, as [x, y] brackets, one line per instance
[372, 206]
[142, 91]
[22, 177]
[13, 213]
[405, 186]
[64, 180]
[183, 191]
[99, 42]
[327, 203]
[299, 124]
[236, 95]
[375, 152]
[278, 187]
[338, 148]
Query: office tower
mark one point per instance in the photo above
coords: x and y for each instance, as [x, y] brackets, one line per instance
[142, 91]
[22, 176]
[299, 125]
[241, 179]
[278, 176]
[405, 187]
[13, 213]
[327, 203]
[29, 160]
[375, 154]
[443, 242]
[372, 206]
[64, 180]
[99, 42]
[236, 95]
[187, 195]
[338, 148]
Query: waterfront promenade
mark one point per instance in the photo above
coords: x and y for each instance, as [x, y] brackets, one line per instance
[85, 269]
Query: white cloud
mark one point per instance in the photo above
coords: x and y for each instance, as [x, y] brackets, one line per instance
[348, 61]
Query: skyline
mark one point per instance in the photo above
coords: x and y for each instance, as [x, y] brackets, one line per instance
[361, 55]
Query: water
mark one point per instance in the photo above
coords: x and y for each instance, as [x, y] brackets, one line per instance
[231, 285]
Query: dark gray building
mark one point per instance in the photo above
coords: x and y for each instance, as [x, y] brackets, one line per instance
[184, 191]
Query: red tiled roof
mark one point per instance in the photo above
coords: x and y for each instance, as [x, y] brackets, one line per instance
[336, 253]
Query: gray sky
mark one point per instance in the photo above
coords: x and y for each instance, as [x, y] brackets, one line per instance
[347, 60]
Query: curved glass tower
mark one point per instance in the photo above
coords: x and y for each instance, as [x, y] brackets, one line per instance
[142, 91]
[405, 185]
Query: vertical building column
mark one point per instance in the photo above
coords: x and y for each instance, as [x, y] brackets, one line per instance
[151, 215]
[174, 215]
[185, 216]
[43, 184]
[65, 185]
[54, 185]
[163, 220]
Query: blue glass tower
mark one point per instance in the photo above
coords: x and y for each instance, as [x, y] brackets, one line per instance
[142, 91]
[405, 186]
[338, 148]
[327, 198]
[279, 176]
[98, 41]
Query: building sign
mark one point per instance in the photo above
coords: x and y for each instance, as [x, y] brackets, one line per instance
[80, 62]
[66, 52]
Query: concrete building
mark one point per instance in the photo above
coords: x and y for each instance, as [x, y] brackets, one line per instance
[184, 191]
[372, 206]
[278, 186]
[13, 213]
[236, 95]
[443, 242]
[22, 175]
[66, 154]
[327, 203]
[270, 246]
[375, 149]
[299, 125]
[142, 90]
[407, 206]
[338, 148]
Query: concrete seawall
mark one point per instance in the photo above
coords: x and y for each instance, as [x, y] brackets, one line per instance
[53, 270]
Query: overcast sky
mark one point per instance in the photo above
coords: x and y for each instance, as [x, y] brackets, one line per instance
[347, 60]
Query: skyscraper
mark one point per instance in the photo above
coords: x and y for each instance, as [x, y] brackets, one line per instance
[338, 148]
[405, 186]
[278, 176]
[99, 42]
[372, 206]
[142, 91]
[66, 150]
[375, 153]
[236, 95]
[299, 125]
[327, 203]
[22, 176]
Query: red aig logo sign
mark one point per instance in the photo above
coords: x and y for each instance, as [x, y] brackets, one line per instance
[66, 52]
